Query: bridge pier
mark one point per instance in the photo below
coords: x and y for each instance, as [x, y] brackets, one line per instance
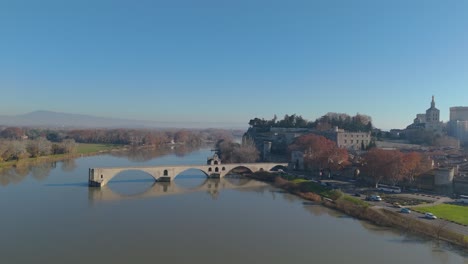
[164, 179]
[94, 184]
[214, 176]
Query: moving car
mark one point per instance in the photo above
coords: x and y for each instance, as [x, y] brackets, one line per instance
[376, 198]
[430, 216]
[397, 205]
[405, 210]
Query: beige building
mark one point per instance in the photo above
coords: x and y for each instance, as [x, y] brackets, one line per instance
[459, 113]
[353, 140]
[458, 124]
[459, 130]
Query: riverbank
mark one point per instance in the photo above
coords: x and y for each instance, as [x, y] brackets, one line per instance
[83, 150]
[360, 209]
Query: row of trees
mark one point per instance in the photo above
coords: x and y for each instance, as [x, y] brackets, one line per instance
[119, 136]
[394, 166]
[350, 123]
[19, 149]
[389, 166]
[320, 152]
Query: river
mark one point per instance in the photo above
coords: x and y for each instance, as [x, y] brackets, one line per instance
[50, 215]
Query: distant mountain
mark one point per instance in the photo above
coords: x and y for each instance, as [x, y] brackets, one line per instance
[66, 120]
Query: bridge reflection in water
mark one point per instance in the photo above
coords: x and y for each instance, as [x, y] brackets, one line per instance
[213, 186]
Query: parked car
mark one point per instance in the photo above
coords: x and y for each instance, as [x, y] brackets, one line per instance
[397, 205]
[405, 210]
[430, 216]
[357, 194]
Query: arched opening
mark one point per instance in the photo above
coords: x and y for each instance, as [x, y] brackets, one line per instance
[216, 169]
[279, 168]
[237, 176]
[215, 162]
[223, 169]
[191, 179]
[210, 170]
[239, 171]
[131, 182]
[165, 173]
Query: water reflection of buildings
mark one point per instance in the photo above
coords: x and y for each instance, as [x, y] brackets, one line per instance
[211, 186]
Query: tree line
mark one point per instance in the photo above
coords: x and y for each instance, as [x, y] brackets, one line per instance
[17, 143]
[394, 166]
[350, 123]
[320, 153]
[13, 149]
[388, 166]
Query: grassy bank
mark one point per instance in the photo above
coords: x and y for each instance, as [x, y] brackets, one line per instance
[451, 212]
[360, 209]
[85, 148]
[82, 150]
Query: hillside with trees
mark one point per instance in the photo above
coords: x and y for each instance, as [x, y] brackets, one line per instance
[349, 123]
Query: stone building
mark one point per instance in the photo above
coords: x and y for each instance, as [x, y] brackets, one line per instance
[458, 124]
[348, 140]
[215, 160]
[444, 176]
[459, 113]
[297, 160]
[429, 121]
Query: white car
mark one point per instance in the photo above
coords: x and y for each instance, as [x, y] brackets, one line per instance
[376, 198]
[430, 216]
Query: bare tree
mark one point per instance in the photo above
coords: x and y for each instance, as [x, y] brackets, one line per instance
[69, 145]
[15, 150]
[440, 227]
[3, 149]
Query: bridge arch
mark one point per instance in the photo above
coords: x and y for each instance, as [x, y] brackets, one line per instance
[122, 171]
[279, 167]
[190, 187]
[239, 167]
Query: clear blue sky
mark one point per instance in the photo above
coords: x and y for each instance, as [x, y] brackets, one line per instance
[217, 60]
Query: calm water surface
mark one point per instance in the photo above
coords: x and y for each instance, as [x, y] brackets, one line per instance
[49, 215]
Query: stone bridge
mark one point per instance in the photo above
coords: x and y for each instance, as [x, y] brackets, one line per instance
[101, 176]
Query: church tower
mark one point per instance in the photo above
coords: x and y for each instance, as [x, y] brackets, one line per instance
[432, 114]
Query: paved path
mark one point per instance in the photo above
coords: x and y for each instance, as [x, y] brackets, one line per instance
[457, 228]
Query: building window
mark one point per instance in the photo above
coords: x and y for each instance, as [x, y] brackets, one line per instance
[351, 141]
[345, 141]
[165, 172]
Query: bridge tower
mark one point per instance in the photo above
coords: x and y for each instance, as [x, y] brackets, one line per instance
[213, 161]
